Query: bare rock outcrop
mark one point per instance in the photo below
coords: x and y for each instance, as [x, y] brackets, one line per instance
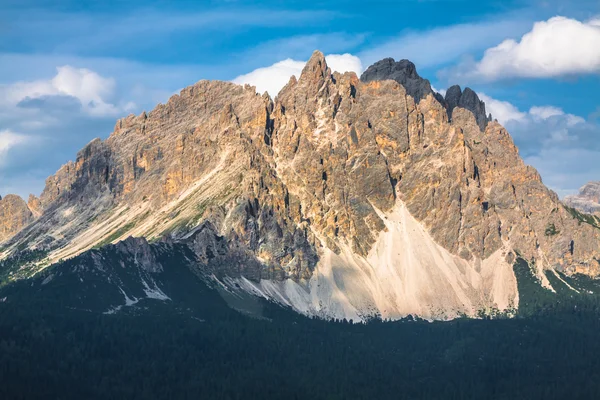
[467, 99]
[404, 72]
[14, 215]
[587, 200]
[319, 178]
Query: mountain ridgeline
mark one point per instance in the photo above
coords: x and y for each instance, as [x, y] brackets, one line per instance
[341, 198]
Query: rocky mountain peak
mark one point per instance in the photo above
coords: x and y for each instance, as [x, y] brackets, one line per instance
[315, 77]
[404, 72]
[342, 197]
[14, 215]
[467, 99]
[316, 67]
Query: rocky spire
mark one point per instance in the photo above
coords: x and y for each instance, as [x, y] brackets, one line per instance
[14, 215]
[468, 100]
[404, 72]
[316, 67]
[315, 75]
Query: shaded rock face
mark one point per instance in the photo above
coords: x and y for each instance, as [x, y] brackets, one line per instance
[404, 72]
[317, 179]
[587, 200]
[14, 215]
[468, 100]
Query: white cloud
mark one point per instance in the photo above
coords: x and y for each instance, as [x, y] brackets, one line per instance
[271, 79]
[503, 111]
[546, 112]
[45, 121]
[8, 140]
[563, 147]
[445, 44]
[344, 63]
[91, 89]
[557, 47]
[506, 112]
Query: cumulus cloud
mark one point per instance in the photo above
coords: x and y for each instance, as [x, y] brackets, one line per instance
[44, 122]
[89, 88]
[503, 111]
[440, 91]
[271, 79]
[344, 63]
[441, 45]
[506, 112]
[563, 147]
[546, 112]
[8, 140]
[557, 47]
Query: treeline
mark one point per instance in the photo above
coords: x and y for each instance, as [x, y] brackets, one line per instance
[549, 353]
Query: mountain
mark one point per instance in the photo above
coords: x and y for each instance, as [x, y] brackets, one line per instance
[14, 215]
[342, 198]
[587, 200]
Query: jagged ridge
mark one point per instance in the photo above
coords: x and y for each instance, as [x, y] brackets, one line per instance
[313, 192]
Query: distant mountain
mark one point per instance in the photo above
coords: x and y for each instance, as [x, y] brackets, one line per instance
[342, 198]
[587, 200]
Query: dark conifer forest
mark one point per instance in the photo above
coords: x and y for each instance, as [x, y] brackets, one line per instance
[549, 350]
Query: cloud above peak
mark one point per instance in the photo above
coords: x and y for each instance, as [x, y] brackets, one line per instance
[272, 78]
[557, 47]
[43, 122]
[563, 147]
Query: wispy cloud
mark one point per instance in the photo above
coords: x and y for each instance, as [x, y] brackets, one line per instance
[8, 140]
[442, 45]
[301, 47]
[91, 33]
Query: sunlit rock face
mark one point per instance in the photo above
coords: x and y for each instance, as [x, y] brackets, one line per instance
[14, 215]
[343, 197]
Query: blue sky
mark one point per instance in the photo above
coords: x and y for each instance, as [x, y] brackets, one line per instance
[69, 69]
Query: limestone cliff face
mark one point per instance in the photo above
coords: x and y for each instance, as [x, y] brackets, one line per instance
[347, 148]
[14, 215]
[587, 200]
[331, 179]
